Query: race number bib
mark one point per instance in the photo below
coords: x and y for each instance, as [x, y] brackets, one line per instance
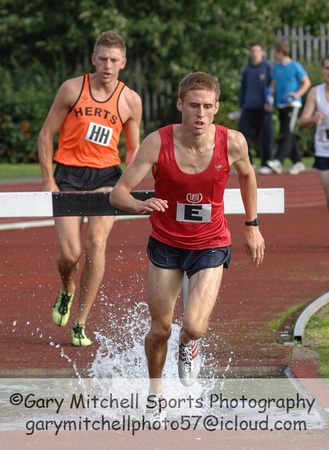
[193, 213]
[325, 135]
[99, 134]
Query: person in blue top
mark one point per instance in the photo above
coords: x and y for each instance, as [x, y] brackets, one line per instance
[256, 77]
[289, 83]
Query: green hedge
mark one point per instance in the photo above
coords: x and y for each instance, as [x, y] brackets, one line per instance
[27, 95]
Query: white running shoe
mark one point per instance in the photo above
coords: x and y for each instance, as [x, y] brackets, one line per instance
[275, 165]
[297, 168]
[264, 170]
[188, 363]
[155, 408]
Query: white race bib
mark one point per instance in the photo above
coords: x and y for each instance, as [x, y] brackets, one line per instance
[99, 134]
[193, 212]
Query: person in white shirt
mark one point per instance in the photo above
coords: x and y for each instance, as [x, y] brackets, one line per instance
[316, 111]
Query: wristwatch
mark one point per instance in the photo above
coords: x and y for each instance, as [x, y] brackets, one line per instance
[253, 223]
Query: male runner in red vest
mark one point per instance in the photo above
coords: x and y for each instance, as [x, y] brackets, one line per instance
[191, 164]
[90, 112]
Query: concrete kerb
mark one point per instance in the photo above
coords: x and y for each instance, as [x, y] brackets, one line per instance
[306, 315]
[267, 369]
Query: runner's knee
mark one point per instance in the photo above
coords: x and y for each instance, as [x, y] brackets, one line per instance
[95, 243]
[195, 330]
[69, 259]
[160, 332]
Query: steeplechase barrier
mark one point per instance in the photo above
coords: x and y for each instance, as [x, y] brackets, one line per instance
[61, 204]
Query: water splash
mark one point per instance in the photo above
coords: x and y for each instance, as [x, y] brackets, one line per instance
[121, 352]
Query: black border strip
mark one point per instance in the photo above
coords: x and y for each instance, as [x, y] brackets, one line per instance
[90, 203]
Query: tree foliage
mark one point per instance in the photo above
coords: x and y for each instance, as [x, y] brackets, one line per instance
[54, 40]
[177, 37]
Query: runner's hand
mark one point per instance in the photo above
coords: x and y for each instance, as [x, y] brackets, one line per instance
[152, 204]
[254, 245]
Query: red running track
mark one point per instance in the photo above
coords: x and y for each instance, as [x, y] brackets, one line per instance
[294, 273]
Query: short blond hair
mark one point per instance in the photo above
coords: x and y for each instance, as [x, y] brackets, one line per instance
[110, 39]
[199, 81]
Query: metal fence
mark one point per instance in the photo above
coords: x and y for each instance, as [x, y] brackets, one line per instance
[303, 44]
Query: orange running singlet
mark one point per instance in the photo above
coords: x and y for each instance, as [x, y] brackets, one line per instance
[90, 133]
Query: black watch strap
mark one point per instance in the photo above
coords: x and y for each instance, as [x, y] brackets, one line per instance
[253, 223]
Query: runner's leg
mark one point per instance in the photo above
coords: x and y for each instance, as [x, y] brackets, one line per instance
[68, 236]
[163, 288]
[324, 177]
[99, 228]
[203, 292]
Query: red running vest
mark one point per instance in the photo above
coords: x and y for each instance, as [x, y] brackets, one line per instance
[195, 217]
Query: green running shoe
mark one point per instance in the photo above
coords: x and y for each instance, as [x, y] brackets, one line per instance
[78, 336]
[61, 309]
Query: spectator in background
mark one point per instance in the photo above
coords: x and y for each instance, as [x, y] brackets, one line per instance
[289, 83]
[316, 111]
[256, 77]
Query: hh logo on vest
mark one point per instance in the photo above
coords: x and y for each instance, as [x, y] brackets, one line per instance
[99, 134]
[194, 211]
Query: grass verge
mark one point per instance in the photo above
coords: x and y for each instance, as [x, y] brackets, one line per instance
[22, 170]
[275, 324]
[316, 334]
[33, 170]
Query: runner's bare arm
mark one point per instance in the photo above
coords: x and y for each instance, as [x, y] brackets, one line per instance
[238, 155]
[66, 96]
[308, 118]
[146, 158]
[133, 105]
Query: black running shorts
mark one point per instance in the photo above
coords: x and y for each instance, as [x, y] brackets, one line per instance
[191, 261]
[321, 163]
[72, 178]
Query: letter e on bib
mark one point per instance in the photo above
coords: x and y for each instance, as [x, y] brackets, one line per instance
[193, 212]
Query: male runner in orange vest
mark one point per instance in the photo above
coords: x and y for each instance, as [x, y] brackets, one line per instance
[90, 112]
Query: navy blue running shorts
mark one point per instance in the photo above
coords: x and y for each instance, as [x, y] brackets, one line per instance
[73, 178]
[321, 163]
[191, 261]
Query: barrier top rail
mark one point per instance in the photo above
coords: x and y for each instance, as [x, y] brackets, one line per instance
[60, 204]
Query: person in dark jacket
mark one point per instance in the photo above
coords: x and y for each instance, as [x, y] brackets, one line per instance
[254, 94]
